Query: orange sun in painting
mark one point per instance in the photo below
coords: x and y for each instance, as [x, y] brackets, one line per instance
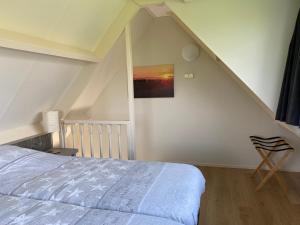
[154, 72]
[167, 76]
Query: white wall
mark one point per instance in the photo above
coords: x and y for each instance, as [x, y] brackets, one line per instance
[250, 37]
[101, 74]
[210, 118]
[30, 84]
[112, 104]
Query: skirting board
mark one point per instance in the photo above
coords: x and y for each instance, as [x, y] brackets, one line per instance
[246, 167]
[226, 166]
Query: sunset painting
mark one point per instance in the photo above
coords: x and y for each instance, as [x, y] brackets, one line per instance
[153, 81]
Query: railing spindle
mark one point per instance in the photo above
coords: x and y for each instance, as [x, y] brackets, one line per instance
[65, 133]
[119, 141]
[91, 140]
[62, 134]
[109, 126]
[100, 140]
[73, 138]
[81, 138]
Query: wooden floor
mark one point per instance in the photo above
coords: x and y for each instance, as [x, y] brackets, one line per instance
[230, 199]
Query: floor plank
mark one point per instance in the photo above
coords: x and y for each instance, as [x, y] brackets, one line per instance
[230, 199]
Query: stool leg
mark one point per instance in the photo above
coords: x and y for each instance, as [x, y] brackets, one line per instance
[271, 166]
[261, 163]
[267, 177]
[273, 171]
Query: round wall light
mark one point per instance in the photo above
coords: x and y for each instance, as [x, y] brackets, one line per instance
[190, 52]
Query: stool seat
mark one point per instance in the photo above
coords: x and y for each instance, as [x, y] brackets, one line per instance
[275, 144]
[266, 147]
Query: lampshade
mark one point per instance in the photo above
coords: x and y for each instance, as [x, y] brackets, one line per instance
[51, 121]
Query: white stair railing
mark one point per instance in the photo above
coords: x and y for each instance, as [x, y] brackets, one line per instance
[97, 139]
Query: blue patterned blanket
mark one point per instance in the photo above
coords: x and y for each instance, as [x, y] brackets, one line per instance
[21, 211]
[164, 190]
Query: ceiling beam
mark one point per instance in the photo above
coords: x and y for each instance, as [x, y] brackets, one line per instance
[24, 42]
[149, 2]
[116, 28]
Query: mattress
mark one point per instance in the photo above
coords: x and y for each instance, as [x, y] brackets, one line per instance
[165, 190]
[17, 210]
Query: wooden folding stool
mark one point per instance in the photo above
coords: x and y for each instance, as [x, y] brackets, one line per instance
[266, 148]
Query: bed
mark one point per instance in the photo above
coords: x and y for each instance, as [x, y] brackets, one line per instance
[160, 190]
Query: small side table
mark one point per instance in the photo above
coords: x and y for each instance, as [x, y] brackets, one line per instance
[63, 151]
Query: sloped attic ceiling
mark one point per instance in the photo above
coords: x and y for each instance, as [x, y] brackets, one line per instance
[250, 37]
[78, 23]
[30, 84]
[76, 29]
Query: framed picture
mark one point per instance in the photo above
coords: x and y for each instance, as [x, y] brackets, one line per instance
[153, 81]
